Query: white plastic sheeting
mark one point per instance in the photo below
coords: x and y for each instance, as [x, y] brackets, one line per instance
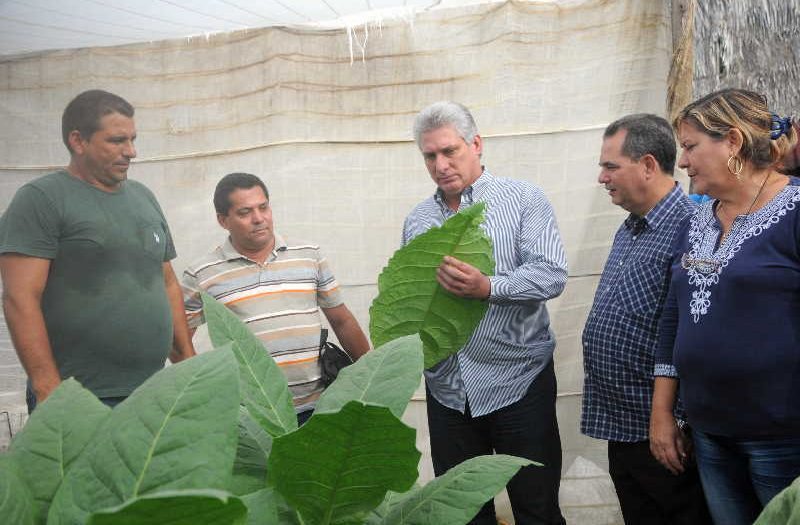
[332, 141]
[35, 25]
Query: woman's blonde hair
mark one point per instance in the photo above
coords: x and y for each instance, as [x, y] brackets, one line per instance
[717, 113]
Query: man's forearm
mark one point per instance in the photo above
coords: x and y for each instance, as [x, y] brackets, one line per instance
[29, 336]
[347, 330]
[353, 339]
[24, 281]
[182, 347]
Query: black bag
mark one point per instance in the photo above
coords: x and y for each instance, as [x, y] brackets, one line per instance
[332, 358]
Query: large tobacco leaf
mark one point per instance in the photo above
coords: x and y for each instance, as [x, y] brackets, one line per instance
[455, 497]
[176, 431]
[339, 466]
[386, 376]
[379, 513]
[176, 507]
[16, 500]
[252, 451]
[410, 300]
[262, 508]
[783, 509]
[53, 437]
[265, 392]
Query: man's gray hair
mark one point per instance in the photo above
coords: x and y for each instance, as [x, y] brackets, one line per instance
[445, 113]
[646, 134]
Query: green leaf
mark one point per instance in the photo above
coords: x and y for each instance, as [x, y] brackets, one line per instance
[53, 437]
[339, 465]
[783, 509]
[386, 376]
[458, 495]
[286, 514]
[410, 300]
[176, 431]
[252, 451]
[16, 500]
[265, 392]
[176, 507]
[379, 513]
[262, 507]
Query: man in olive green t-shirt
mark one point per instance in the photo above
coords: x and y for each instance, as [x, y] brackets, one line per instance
[89, 291]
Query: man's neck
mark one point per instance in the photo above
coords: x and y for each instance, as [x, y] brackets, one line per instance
[453, 201]
[661, 190]
[80, 173]
[260, 256]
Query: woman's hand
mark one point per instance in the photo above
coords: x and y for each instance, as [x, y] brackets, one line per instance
[667, 441]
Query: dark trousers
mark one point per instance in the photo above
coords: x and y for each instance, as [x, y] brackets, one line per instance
[649, 493]
[527, 428]
[304, 416]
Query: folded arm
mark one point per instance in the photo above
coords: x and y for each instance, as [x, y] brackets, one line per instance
[542, 271]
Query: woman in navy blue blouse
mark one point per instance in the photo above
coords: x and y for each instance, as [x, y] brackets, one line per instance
[731, 325]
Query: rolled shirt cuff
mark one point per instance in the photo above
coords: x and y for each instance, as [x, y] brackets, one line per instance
[664, 370]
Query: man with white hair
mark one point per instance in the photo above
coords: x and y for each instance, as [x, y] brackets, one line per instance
[497, 394]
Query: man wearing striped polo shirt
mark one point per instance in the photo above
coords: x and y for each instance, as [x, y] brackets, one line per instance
[497, 394]
[276, 286]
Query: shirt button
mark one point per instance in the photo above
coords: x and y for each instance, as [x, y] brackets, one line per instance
[620, 263]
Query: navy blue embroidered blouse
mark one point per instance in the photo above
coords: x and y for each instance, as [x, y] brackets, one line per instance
[731, 324]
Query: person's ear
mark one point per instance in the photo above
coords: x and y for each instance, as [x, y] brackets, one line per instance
[76, 142]
[735, 139]
[650, 165]
[477, 143]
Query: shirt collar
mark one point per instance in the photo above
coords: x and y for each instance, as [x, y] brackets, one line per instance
[472, 193]
[653, 218]
[230, 253]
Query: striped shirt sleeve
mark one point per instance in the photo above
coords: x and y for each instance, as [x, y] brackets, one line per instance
[542, 273]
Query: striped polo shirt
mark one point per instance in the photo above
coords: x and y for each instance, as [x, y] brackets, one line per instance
[279, 300]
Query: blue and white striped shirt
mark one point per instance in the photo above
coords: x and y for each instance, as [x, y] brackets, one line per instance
[621, 334]
[513, 342]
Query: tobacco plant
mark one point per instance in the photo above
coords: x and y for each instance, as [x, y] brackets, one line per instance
[214, 439]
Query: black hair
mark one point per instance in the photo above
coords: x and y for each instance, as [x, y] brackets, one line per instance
[646, 134]
[231, 182]
[84, 112]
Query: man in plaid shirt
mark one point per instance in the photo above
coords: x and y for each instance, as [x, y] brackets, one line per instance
[619, 340]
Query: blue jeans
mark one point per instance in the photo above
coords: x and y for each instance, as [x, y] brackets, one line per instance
[740, 476]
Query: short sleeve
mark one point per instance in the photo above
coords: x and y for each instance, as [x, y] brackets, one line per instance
[192, 303]
[30, 224]
[328, 293]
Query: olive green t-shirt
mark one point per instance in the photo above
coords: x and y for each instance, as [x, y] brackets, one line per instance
[105, 304]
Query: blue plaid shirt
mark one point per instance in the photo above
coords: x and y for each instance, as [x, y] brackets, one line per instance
[621, 333]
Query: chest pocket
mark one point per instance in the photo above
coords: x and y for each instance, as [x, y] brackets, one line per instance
[153, 239]
[641, 285]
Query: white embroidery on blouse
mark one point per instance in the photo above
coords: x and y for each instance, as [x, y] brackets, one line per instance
[704, 266]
